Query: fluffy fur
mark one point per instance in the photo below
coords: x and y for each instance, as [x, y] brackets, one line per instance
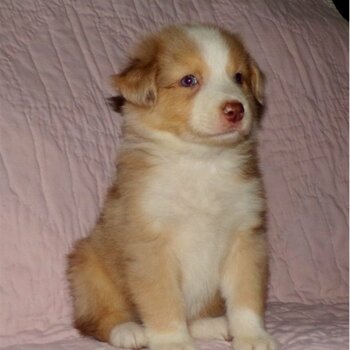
[179, 250]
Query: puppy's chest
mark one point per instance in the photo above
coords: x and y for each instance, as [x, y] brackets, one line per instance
[194, 194]
[200, 204]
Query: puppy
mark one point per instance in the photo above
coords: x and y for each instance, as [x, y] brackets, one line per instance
[179, 251]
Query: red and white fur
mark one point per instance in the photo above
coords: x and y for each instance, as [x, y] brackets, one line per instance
[179, 251]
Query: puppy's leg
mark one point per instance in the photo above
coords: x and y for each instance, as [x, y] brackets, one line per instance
[210, 328]
[154, 282]
[211, 322]
[243, 287]
[101, 308]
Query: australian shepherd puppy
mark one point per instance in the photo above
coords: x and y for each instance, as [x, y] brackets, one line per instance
[179, 251]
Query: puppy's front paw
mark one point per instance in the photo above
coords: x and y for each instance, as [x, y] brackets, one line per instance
[249, 333]
[262, 342]
[175, 340]
[210, 328]
[128, 335]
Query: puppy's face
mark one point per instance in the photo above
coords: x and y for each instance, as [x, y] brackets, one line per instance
[196, 82]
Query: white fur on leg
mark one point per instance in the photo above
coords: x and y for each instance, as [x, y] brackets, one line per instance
[128, 335]
[178, 339]
[210, 328]
[249, 333]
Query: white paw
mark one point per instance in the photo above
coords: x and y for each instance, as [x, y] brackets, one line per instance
[178, 339]
[210, 328]
[128, 335]
[263, 342]
[249, 333]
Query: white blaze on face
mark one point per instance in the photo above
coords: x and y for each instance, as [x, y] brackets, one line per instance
[217, 87]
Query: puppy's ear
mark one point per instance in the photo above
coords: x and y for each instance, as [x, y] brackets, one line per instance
[116, 103]
[257, 82]
[137, 83]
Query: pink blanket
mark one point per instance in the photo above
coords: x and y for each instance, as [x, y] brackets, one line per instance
[58, 141]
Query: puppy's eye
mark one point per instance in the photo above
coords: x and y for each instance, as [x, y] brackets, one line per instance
[238, 78]
[188, 81]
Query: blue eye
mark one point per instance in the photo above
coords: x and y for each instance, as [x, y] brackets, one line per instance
[189, 81]
[238, 78]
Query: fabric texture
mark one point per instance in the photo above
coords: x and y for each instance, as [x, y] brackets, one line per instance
[59, 140]
[296, 326]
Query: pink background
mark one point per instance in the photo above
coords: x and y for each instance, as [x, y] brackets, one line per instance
[58, 142]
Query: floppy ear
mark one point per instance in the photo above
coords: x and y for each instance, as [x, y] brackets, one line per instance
[257, 82]
[137, 83]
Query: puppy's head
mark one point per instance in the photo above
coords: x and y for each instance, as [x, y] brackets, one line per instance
[196, 82]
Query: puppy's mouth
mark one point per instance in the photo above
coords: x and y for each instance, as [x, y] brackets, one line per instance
[229, 130]
[230, 135]
[226, 131]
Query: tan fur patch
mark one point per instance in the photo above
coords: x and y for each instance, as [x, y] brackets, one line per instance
[100, 302]
[174, 55]
[240, 61]
[246, 270]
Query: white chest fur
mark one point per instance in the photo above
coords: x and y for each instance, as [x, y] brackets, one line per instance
[201, 204]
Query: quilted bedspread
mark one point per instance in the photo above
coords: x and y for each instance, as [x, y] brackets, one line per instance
[59, 140]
